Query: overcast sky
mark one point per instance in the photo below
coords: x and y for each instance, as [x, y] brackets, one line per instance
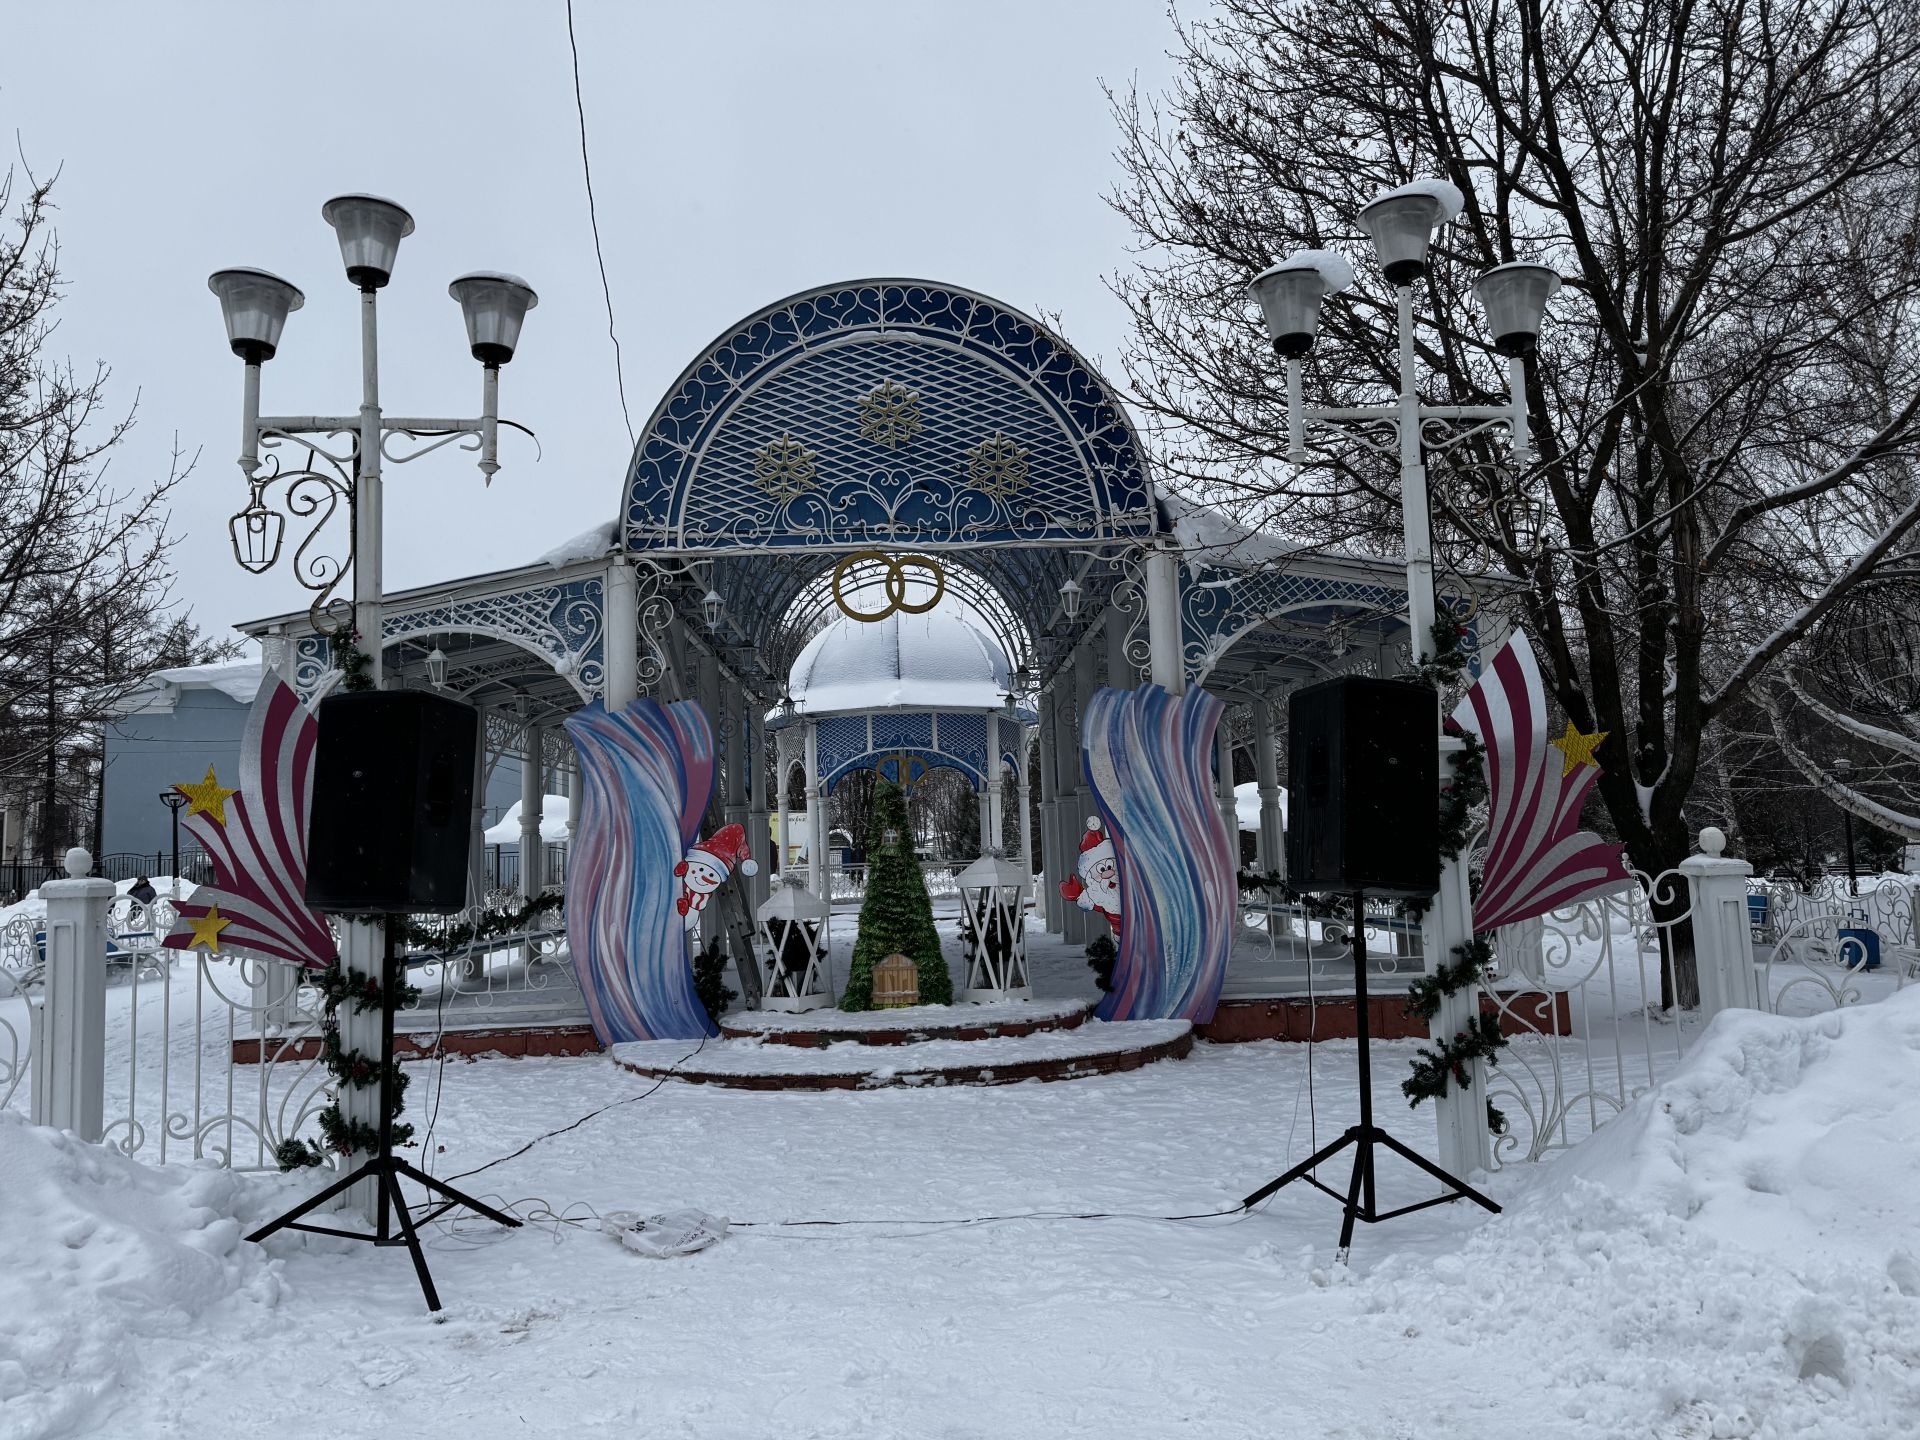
[741, 152]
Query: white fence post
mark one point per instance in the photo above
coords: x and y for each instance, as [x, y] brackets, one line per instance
[1722, 931]
[70, 1056]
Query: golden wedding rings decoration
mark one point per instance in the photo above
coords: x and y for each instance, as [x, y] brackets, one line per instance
[899, 569]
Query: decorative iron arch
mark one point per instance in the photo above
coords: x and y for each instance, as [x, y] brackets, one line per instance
[898, 412]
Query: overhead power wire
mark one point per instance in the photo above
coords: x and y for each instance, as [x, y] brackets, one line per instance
[593, 217]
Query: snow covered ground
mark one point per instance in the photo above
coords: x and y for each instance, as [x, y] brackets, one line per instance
[1736, 1255]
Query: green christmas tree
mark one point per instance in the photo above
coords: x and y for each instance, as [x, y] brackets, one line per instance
[897, 915]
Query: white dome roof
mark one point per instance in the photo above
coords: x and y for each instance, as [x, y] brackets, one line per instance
[933, 661]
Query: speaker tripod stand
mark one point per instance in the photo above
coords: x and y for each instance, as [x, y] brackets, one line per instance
[1360, 1203]
[384, 1169]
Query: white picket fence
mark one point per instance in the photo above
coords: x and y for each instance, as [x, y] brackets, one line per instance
[194, 1056]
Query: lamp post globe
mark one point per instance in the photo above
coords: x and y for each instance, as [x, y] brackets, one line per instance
[495, 305]
[1514, 297]
[255, 305]
[370, 230]
[1401, 224]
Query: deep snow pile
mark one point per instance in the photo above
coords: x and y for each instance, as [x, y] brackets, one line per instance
[1733, 1255]
[98, 1255]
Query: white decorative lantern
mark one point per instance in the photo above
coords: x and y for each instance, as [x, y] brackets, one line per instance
[993, 903]
[793, 954]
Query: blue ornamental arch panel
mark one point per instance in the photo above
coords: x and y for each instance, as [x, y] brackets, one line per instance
[954, 741]
[886, 412]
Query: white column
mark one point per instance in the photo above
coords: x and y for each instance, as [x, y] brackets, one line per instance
[756, 777]
[1050, 902]
[816, 819]
[1120, 672]
[1081, 925]
[1163, 620]
[1722, 932]
[622, 600]
[70, 1050]
[1266, 760]
[1223, 780]
[996, 785]
[781, 776]
[1023, 797]
[533, 791]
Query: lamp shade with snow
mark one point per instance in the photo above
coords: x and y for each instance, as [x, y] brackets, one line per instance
[370, 230]
[1514, 297]
[1401, 224]
[495, 305]
[1289, 297]
[255, 305]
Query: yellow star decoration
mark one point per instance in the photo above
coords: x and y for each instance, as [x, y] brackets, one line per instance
[1577, 748]
[207, 928]
[208, 797]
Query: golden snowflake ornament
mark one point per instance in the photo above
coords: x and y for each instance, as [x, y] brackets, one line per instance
[997, 466]
[890, 416]
[784, 468]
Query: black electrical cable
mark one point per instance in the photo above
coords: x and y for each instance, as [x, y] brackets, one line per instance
[593, 216]
[575, 1125]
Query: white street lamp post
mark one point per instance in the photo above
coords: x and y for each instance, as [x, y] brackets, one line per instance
[255, 305]
[1514, 297]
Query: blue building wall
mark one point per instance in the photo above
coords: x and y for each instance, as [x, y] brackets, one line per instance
[151, 752]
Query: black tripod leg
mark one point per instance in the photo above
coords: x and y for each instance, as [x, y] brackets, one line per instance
[1360, 1157]
[1452, 1182]
[1325, 1152]
[413, 1172]
[391, 1184]
[352, 1177]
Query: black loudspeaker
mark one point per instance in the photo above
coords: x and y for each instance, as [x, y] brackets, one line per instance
[1363, 776]
[392, 814]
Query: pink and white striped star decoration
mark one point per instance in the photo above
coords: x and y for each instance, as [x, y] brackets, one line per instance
[1537, 860]
[257, 841]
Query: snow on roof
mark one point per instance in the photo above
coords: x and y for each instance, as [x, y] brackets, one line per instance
[934, 661]
[587, 545]
[237, 679]
[1207, 536]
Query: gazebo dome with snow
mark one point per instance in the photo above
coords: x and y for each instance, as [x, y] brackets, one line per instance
[935, 661]
[901, 696]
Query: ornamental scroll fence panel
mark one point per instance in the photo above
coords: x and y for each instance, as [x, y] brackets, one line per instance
[943, 879]
[219, 1058]
[1287, 948]
[1580, 993]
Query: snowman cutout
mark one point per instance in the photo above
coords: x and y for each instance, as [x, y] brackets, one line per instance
[706, 868]
[1096, 886]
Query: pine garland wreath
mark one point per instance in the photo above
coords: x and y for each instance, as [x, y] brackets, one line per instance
[351, 1069]
[1460, 800]
[350, 660]
[897, 914]
[489, 926]
[709, 981]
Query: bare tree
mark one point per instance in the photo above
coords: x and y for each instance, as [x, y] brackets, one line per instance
[1725, 402]
[85, 603]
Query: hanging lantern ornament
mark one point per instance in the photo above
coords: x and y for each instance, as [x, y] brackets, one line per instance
[713, 607]
[1070, 598]
[256, 533]
[437, 668]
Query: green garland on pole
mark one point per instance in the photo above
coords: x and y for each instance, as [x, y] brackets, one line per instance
[350, 660]
[351, 1070]
[1448, 1060]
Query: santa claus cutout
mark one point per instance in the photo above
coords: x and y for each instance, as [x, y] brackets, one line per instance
[1097, 885]
[706, 868]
